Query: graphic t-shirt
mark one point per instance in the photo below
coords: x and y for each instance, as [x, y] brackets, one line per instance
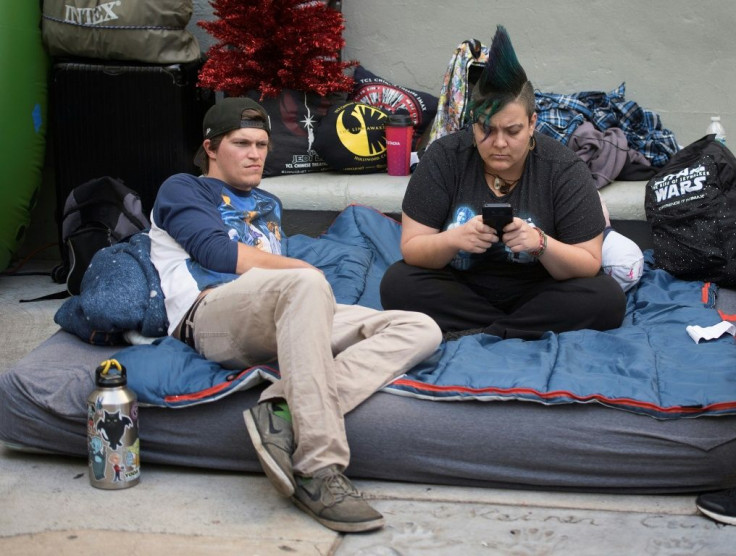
[196, 225]
[556, 193]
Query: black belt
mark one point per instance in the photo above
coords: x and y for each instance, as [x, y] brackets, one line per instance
[186, 329]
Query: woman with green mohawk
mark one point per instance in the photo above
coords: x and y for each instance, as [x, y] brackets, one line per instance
[540, 272]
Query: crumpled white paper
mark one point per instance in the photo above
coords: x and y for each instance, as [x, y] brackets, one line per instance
[698, 333]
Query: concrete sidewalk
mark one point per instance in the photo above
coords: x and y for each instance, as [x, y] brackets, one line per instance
[48, 506]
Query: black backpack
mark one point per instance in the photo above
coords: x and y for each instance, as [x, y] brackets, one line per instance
[691, 206]
[97, 214]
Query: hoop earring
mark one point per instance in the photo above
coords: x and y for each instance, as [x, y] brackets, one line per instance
[532, 143]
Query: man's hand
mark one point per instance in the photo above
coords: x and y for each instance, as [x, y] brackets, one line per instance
[252, 257]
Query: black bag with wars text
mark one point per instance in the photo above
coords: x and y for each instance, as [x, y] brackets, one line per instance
[691, 207]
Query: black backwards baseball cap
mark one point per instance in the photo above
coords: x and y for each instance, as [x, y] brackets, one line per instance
[225, 116]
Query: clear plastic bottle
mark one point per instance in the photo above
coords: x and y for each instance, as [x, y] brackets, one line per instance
[717, 128]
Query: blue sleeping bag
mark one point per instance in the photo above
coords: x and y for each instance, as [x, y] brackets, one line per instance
[649, 365]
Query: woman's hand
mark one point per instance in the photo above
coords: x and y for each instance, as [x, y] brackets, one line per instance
[562, 260]
[519, 236]
[429, 248]
[473, 236]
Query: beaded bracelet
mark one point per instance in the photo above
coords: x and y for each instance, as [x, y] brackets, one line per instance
[542, 244]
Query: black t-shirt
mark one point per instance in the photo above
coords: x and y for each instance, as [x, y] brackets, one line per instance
[556, 193]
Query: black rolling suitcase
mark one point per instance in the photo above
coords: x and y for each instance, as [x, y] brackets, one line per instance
[138, 123]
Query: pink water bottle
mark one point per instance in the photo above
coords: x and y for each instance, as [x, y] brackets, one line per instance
[399, 130]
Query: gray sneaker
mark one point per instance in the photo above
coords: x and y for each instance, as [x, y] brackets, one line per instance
[273, 439]
[331, 499]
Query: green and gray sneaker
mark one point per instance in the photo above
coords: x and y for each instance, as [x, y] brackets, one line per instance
[273, 439]
[331, 499]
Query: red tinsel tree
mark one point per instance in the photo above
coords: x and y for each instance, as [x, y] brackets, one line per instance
[270, 45]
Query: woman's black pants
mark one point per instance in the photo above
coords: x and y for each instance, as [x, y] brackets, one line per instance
[596, 303]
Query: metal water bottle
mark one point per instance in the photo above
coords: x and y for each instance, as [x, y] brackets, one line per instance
[112, 429]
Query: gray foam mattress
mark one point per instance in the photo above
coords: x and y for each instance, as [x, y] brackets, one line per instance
[576, 447]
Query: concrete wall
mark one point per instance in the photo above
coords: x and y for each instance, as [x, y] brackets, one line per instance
[675, 56]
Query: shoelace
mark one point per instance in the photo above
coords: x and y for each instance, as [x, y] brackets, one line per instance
[337, 485]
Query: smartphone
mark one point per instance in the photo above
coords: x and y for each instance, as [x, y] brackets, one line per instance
[497, 216]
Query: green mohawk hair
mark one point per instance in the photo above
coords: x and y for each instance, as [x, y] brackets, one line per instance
[502, 78]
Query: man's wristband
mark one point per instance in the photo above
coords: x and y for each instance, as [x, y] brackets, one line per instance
[539, 251]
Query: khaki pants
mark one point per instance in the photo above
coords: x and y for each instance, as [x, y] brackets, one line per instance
[331, 357]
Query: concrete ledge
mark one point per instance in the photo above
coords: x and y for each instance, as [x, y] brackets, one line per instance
[625, 200]
[333, 191]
